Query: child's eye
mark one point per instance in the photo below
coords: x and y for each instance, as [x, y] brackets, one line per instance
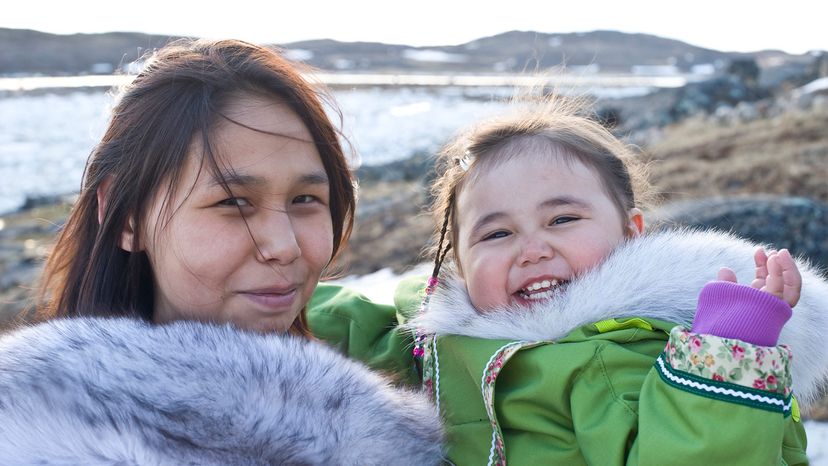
[496, 235]
[234, 202]
[562, 219]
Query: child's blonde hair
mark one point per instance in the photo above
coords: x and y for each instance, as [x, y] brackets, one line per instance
[551, 124]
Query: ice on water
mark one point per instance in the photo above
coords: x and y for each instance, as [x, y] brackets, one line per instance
[45, 139]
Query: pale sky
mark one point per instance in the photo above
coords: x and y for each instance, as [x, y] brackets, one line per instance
[795, 26]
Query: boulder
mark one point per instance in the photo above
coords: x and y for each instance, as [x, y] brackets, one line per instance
[796, 223]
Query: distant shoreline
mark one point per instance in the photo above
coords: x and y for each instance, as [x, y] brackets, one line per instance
[350, 80]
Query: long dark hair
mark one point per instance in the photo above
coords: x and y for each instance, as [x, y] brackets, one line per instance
[177, 97]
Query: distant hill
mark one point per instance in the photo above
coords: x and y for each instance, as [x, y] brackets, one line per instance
[23, 51]
[29, 52]
[517, 51]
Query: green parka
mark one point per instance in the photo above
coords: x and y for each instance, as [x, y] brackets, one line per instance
[606, 374]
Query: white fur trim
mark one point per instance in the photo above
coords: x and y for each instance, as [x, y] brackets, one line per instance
[658, 275]
[118, 391]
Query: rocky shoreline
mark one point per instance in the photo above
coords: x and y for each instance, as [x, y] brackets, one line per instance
[763, 163]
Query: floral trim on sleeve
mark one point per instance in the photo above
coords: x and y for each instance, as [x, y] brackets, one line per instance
[728, 369]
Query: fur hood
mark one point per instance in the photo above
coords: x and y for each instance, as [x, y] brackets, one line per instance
[657, 275]
[120, 391]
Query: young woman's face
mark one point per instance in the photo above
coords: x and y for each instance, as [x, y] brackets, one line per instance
[252, 259]
[530, 225]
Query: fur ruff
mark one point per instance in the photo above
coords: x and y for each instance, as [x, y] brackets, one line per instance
[120, 391]
[658, 275]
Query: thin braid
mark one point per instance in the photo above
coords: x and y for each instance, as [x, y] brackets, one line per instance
[420, 338]
[441, 253]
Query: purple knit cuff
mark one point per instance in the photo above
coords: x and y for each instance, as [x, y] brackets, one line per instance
[731, 310]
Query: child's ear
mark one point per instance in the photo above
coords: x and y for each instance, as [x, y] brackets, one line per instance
[635, 222]
[128, 233]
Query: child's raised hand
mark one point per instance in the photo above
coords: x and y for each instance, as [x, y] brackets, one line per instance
[776, 273]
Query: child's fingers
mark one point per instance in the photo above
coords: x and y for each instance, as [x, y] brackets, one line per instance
[791, 278]
[726, 274]
[774, 283]
[761, 260]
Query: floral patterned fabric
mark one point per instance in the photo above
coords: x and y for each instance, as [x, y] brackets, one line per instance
[487, 387]
[731, 361]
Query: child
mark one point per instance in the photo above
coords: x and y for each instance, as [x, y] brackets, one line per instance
[218, 194]
[539, 344]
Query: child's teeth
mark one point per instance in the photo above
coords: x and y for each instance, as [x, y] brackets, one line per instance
[541, 295]
[542, 284]
[548, 287]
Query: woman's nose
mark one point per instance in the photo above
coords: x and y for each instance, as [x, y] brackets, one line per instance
[534, 250]
[276, 240]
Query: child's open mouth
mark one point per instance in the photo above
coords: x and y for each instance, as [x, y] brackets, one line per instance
[543, 289]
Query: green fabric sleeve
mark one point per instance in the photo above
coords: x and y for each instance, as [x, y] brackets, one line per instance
[409, 296]
[605, 403]
[794, 443]
[686, 427]
[654, 423]
[362, 330]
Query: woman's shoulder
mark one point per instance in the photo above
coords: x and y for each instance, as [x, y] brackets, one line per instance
[335, 303]
[363, 330]
[116, 388]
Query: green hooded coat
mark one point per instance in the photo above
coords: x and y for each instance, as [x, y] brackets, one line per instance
[604, 373]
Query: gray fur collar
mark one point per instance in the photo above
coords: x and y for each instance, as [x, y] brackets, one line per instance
[118, 391]
[658, 275]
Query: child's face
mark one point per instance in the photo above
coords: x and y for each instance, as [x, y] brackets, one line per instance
[530, 225]
[206, 264]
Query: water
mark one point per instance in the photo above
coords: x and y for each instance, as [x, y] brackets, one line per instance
[44, 142]
[45, 139]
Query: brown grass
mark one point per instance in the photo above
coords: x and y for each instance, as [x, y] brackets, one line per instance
[786, 155]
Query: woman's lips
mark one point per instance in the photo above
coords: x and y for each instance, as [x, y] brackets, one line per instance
[273, 300]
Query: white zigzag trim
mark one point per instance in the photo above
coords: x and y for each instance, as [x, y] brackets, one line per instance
[721, 390]
[491, 452]
[436, 376]
[482, 391]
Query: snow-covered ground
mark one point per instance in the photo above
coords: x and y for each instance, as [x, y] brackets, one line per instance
[379, 286]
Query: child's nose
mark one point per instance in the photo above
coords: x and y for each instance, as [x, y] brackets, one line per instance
[535, 250]
[276, 240]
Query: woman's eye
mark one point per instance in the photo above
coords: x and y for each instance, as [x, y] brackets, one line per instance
[234, 202]
[305, 199]
[496, 235]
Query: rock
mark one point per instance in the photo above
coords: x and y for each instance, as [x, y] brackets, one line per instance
[796, 223]
[418, 167]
